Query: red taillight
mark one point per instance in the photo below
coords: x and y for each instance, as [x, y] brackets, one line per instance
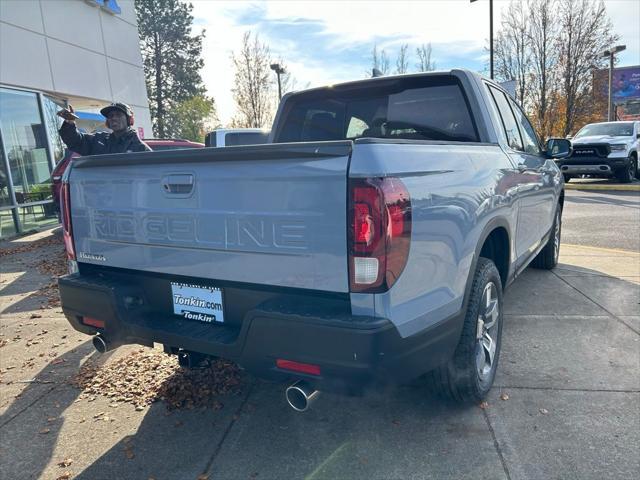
[93, 322]
[298, 367]
[379, 234]
[65, 200]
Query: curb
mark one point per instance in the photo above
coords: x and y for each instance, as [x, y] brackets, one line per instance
[611, 188]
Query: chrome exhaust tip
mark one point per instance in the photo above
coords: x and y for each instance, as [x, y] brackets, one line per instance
[301, 395]
[100, 344]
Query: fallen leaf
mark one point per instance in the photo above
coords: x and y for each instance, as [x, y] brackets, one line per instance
[64, 476]
[45, 430]
[484, 405]
[544, 411]
[65, 463]
[203, 477]
[98, 414]
[504, 396]
[129, 454]
[51, 419]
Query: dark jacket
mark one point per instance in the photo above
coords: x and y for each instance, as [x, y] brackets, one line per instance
[102, 142]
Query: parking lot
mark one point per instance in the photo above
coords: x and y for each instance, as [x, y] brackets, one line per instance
[566, 401]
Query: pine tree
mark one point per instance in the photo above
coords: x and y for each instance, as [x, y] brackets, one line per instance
[171, 56]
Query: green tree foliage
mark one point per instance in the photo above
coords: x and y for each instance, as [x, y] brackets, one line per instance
[194, 117]
[172, 60]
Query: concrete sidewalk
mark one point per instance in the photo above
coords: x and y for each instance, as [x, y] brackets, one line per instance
[566, 403]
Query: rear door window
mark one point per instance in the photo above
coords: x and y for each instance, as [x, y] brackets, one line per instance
[508, 120]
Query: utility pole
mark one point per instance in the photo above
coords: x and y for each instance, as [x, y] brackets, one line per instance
[490, 37]
[611, 54]
[276, 67]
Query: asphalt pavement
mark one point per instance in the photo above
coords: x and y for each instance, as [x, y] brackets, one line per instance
[602, 219]
[565, 405]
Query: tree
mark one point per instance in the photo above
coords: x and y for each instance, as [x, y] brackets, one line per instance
[585, 31]
[253, 88]
[402, 63]
[171, 57]
[424, 58]
[543, 35]
[511, 51]
[194, 117]
[379, 60]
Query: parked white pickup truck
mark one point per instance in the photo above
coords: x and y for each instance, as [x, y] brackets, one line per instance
[604, 149]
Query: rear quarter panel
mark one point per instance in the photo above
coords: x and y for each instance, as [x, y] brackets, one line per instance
[456, 192]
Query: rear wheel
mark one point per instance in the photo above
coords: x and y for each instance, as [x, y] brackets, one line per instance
[548, 256]
[469, 375]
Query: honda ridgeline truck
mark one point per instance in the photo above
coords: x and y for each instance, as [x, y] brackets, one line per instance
[369, 241]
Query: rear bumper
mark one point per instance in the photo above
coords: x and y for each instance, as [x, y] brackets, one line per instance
[352, 352]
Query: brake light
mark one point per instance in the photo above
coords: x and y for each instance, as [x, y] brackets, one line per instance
[67, 233]
[379, 233]
[298, 367]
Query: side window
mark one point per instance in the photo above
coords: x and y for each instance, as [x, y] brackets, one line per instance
[529, 137]
[508, 120]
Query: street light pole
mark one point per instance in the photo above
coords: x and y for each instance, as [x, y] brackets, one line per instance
[276, 67]
[490, 37]
[611, 54]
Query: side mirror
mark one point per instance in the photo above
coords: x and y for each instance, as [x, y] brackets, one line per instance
[558, 148]
[210, 139]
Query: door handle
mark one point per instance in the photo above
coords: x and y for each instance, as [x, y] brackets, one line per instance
[178, 183]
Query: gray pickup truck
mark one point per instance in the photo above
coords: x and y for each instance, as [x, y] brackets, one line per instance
[370, 241]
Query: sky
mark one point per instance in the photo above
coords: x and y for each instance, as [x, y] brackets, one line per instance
[324, 42]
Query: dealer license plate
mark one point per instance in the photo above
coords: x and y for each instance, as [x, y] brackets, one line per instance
[195, 302]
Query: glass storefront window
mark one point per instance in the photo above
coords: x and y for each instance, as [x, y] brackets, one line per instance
[51, 106]
[5, 198]
[7, 225]
[25, 143]
[39, 216]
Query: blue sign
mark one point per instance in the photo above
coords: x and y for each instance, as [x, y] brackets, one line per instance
[110, 6]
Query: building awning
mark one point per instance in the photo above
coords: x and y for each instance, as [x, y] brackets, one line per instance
[96, 117]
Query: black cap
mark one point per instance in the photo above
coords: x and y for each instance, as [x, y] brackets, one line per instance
[121, 107]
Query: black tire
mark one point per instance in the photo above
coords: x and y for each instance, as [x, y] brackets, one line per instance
[629, 172]
[547, 259]
[460, 378]
[567, 177]
[634, 158]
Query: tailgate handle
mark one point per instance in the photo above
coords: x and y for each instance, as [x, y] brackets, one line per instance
[179, 183]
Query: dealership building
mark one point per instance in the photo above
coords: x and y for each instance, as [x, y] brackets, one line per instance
[52, 53]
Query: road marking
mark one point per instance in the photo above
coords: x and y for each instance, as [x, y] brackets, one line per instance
[601, 249]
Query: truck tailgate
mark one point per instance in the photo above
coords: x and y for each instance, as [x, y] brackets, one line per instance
[267, 214]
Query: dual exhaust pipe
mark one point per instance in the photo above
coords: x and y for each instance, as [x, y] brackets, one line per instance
[299, 396]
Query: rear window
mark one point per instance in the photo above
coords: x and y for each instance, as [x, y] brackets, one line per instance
[245, 138]
[419, 108]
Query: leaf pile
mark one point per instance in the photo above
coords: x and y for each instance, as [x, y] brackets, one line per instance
[30, 246]
[146, 376]
[55, 267]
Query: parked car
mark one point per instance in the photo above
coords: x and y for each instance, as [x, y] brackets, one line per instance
[605, 150]
[370, 243]
[157, 144]
[228, 137]
[154, 143]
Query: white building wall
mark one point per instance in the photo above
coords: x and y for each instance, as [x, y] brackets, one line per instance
[74, 50]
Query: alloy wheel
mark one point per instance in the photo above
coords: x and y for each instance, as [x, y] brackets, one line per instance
[487, 331]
